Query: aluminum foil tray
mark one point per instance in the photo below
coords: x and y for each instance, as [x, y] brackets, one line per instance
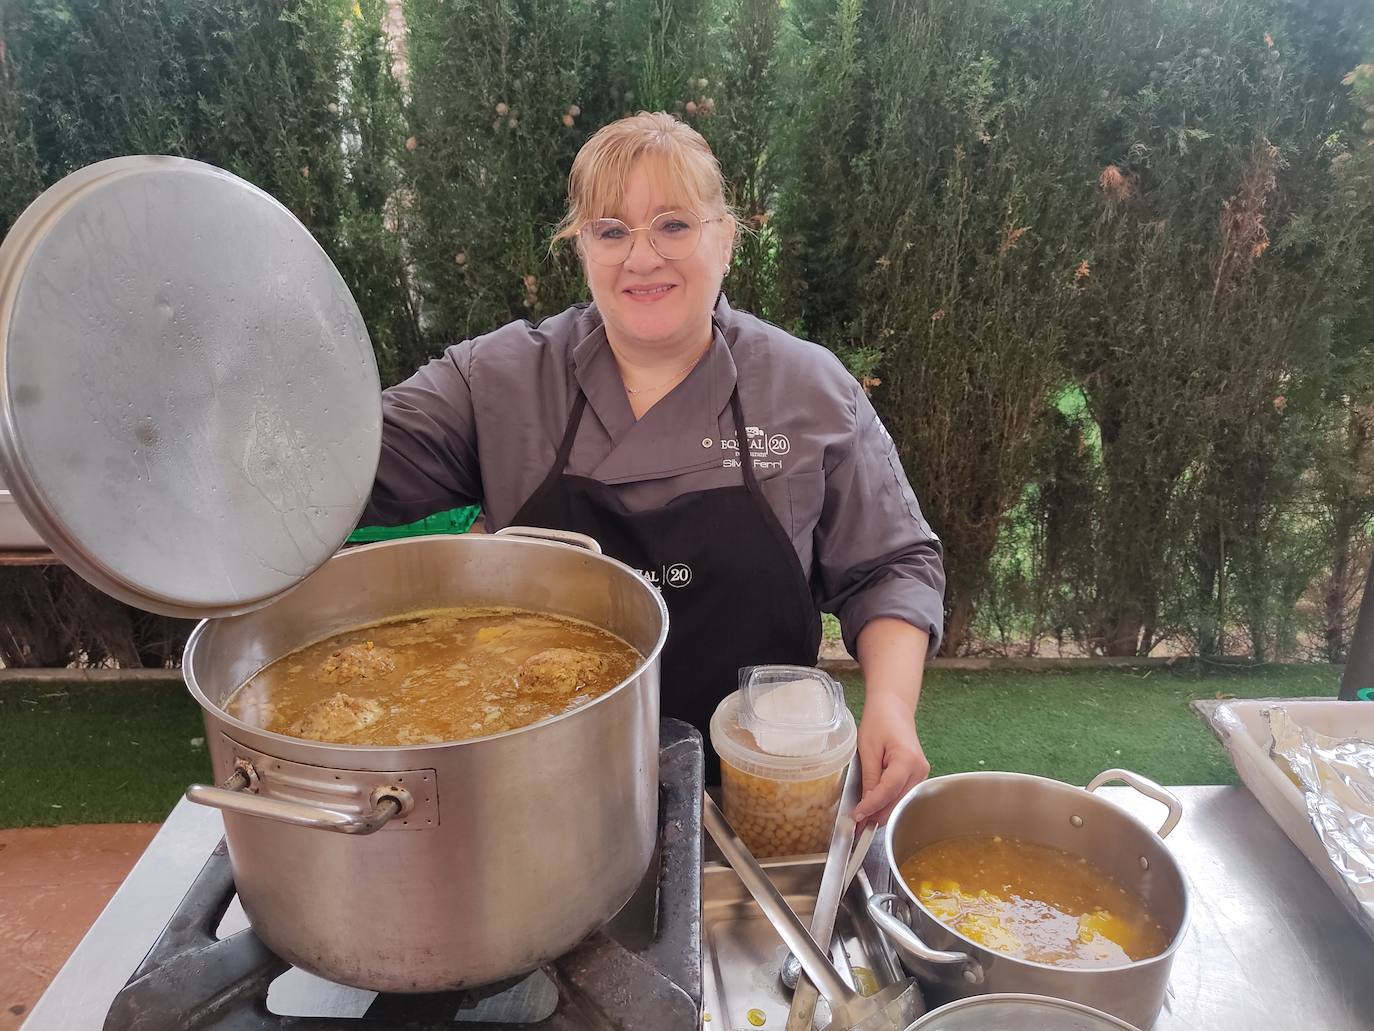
[1244, 727]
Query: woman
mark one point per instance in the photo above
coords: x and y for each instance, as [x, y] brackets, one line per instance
[741, 469]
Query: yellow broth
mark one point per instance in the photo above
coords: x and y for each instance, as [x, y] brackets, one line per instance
[443, 675]
[1032, 901]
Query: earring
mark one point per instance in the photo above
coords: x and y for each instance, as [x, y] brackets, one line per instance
[727, 270]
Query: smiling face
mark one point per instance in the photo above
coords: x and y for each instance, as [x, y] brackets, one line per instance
[652, 304]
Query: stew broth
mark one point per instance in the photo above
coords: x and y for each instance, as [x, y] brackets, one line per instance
[1032, 901]
[444, 675]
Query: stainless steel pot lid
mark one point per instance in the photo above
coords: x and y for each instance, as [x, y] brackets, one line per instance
[190, 411]
[1018, 1012]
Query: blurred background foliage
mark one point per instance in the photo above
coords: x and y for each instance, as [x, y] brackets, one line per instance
[1104, 268]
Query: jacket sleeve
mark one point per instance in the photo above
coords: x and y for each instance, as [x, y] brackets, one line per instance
[428, 462]
[875, 553]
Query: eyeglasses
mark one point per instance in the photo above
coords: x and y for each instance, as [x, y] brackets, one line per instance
[673, 235]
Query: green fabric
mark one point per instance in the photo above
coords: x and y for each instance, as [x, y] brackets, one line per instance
[458, 520]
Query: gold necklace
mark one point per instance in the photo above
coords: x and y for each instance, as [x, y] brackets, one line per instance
[685, 369]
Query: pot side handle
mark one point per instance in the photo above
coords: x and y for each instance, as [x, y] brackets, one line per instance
[1148, 788]
[542, 533]
[907, 940]
[233, 796]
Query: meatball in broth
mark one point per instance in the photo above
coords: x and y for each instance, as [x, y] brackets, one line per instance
[445, 675]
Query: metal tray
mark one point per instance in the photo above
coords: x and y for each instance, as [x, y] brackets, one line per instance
[742, 954]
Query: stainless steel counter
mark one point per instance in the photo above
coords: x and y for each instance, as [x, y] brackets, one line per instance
[1269, 946]
[1269, 949]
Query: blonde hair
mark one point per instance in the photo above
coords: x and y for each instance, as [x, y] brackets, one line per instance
[682, 159]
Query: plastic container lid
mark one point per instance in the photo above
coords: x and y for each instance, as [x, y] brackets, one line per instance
[784, 723]
[790, 710]
[190, 412]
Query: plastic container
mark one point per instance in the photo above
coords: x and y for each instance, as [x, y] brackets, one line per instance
[784, 740]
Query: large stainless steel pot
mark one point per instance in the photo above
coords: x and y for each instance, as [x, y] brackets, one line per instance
[951, 966]
[430, 867]
[192, 321]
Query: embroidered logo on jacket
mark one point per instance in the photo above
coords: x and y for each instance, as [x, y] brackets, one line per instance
[766, 449]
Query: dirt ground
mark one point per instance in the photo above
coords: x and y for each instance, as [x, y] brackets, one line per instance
[54, 881]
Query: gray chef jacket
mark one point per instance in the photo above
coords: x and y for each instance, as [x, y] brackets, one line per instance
[482, 424]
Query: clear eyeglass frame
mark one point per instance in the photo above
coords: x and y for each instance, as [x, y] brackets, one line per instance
[668, 243]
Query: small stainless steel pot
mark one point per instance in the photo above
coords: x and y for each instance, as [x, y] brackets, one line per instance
[951, 966]
[1022, 1012]
[430, 867]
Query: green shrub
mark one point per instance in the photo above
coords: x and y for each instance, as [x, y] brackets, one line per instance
[1105, 269]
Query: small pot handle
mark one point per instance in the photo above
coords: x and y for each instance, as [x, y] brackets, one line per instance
[907, 940]
[542, 533]
[388, 801]
[1149, 789]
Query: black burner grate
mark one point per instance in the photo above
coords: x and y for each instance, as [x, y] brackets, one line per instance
[642, 972]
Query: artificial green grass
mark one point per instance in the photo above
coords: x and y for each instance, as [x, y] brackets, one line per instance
[95, 753]
[1073, 725]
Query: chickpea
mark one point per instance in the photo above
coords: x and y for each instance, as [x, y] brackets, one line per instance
[781, 817]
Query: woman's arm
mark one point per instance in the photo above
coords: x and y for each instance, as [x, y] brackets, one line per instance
[892, 655]
[428, 462]
[879, 567]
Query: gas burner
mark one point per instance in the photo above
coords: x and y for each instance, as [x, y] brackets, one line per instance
[642, 972]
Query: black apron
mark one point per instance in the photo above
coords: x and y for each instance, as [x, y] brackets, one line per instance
[735, 589]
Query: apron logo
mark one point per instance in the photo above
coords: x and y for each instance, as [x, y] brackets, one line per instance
[766, 449]
[679, 574]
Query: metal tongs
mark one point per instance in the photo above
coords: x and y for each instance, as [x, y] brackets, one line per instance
[844, 853]
[894, 1008]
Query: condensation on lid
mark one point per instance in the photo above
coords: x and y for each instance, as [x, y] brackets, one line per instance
[787, 723]
[740, 748]
[790, 710]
